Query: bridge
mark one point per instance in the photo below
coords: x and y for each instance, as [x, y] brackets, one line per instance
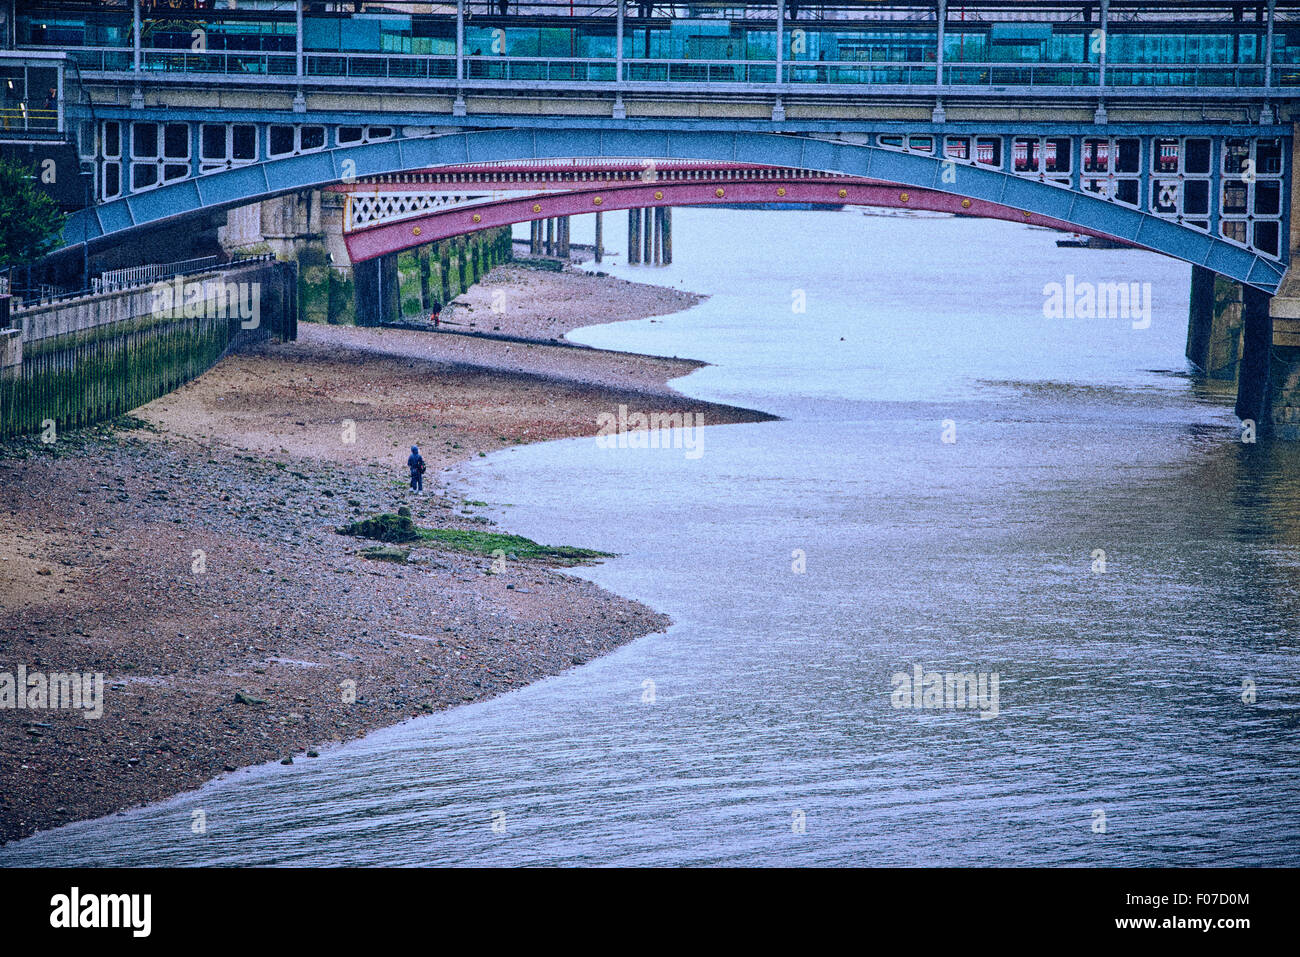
[1170, 129]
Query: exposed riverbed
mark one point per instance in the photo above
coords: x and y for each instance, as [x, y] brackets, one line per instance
[808, 562]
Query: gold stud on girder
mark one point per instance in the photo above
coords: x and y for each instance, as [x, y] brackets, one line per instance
[780, 191]
[965, 204]
[478, 218]
[844, 194]
[659, 193]
[537, 207]
[718, 193]
[904, 197]
[597, 201]
[415, 231]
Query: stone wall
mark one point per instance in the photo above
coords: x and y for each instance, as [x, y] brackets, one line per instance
[91, 359]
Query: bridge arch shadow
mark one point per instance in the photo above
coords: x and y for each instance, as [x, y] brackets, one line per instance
[991, 193]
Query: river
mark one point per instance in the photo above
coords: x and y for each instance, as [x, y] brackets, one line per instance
[1092, 533]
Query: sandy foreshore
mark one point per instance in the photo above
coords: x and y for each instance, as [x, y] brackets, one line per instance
[193, 559]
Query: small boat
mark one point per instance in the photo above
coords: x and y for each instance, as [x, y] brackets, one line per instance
[1076, 241]
[1079, 241]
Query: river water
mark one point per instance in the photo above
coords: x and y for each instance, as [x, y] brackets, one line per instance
[806, 562]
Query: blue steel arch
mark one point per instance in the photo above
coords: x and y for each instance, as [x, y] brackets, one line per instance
[247, 184]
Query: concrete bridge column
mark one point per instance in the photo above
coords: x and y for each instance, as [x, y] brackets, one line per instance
[562, 227]
[550, 237]
[444, 271]
[668, 235]
[422, 255]
[1284, 312]
[1254, 395]
[535, 237]
[633, 237]
[376, 290]
[600, 237]
[659, 236]
[1214, 325]
[647, 234]
[1200, 317]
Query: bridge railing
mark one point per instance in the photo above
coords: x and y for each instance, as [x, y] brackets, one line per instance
[153, 272]
[440, 70]
[132, 277]
[27, 120]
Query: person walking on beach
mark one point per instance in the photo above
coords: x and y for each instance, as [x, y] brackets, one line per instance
[415, 462]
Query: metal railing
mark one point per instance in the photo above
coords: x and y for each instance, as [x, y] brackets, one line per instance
[26, 120]
[129, 278]
[115, 279]
[440, 70]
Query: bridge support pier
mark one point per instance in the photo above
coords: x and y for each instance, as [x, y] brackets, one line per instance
[600, 237]
[1200, 317]
[562, 229]
[667, 226]
[1254, 395]
[444, 272]
[422, 255]
[1214, 324]
[376, 290]
[633, 237]
[1284, 379]
[647, 233]
[535, 238]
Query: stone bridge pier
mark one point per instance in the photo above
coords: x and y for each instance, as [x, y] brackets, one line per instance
[1236, 331]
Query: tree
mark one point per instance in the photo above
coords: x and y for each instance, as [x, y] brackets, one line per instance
[30, 221]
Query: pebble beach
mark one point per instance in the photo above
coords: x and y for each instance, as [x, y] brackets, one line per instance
[190, 552]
